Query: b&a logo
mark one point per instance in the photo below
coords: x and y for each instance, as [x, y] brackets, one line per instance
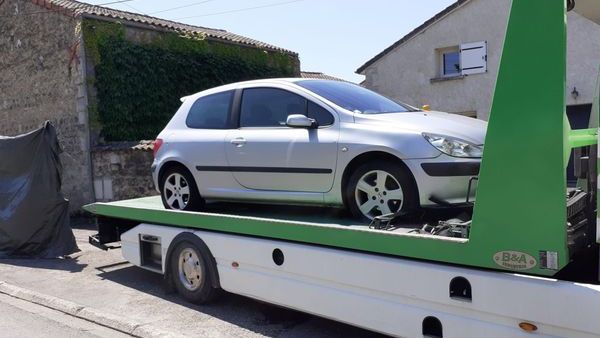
[514, 260]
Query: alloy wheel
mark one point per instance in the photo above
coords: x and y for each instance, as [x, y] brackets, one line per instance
[378, 193]
[176, 191]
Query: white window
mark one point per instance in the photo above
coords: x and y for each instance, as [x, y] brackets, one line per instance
[450, 62]
[466, 59]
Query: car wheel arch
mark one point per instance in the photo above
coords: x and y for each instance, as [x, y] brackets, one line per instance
[372, 156]
[168, 165]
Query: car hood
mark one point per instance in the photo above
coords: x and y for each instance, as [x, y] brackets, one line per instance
[466, 128]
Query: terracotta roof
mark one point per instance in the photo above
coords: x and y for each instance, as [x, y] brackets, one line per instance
[414, 32]
[319, 75]
[143, 145]
[77, 8]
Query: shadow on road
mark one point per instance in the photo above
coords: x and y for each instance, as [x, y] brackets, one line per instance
[64, 264]
[262, 318]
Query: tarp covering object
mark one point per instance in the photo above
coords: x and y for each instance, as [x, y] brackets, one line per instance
[34, 214]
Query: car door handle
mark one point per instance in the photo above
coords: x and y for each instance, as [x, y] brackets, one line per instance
[238, 141]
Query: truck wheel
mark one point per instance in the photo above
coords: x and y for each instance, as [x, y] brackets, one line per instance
[379, 188]
[178, 190]
[191, 275]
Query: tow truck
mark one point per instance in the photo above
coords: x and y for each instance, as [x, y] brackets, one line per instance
[525, 264]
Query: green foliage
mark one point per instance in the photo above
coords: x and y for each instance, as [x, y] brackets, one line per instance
[139, 83]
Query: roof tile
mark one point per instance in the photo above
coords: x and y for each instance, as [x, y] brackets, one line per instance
[319, 75]
[77, 8]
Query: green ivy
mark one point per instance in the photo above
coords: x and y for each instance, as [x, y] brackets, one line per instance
[139, 83]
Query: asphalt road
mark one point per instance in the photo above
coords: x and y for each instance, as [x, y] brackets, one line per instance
[104, 281]
[21, 319]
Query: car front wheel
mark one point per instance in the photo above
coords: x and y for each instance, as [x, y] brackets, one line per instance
[379, 188]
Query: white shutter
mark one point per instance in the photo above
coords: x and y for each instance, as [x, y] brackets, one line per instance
[473, 57]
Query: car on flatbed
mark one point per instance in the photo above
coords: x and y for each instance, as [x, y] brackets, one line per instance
[319, 142]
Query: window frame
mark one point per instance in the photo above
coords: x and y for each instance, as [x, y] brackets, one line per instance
[442, 64]
[324, 107]
[228, 120]
[238, 100]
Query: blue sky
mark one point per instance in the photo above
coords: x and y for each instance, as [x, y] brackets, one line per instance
[331, 36]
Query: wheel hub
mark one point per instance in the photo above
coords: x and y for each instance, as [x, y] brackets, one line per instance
[176, 191]
[190, 271]
[377, 193]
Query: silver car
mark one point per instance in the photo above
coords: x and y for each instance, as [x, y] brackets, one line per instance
[319, 142]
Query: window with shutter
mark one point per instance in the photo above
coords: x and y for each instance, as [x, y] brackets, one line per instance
[473, 58]
[449, 62]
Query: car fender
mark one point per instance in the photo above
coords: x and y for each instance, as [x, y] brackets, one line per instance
[173, 156]
[404, 144]
[357, 140]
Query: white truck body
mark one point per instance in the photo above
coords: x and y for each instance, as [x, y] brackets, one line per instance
[386, 294]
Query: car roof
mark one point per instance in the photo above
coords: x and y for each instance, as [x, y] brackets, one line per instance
[287, 80]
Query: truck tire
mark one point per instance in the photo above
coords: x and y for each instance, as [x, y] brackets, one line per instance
[178, 190]
[191, 273]
[367, 198]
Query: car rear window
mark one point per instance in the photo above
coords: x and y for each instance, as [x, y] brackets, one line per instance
[210, 112]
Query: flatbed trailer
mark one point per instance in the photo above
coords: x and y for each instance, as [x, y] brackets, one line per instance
[380, 292]
[525, 264]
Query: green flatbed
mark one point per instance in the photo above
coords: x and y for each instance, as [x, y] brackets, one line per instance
[311, 225]
[317, 226]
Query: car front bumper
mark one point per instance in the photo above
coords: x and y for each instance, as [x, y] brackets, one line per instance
[451, 169]
[445, 178]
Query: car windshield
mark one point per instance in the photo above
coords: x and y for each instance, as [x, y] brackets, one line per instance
[354, 98]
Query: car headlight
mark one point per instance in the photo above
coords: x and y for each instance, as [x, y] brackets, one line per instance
[453, 146]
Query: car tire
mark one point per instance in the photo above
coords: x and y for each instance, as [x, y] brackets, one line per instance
[367, 198]
[191, 274]
[178, 190]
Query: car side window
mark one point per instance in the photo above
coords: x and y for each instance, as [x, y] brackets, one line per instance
[269, 107]
[320, 114]
[210, 112]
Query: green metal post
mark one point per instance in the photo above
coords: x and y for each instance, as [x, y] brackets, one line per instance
[521, 193]
[595, 122]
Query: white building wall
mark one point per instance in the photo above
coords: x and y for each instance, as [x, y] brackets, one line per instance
[583, 41]
[406, 72]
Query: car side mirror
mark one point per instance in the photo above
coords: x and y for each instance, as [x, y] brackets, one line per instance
[300, 121]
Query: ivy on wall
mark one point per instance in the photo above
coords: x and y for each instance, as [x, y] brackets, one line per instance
[139, 80]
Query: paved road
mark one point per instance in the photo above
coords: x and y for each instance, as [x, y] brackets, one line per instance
[104, 281]
[21, 319]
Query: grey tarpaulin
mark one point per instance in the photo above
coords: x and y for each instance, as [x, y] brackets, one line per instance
[34, 215]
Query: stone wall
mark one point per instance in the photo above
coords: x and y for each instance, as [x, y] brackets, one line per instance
[41, 78]
[45, 75]
[121, 172]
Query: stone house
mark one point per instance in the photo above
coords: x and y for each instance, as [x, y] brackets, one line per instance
[49, 70]
[451, 61]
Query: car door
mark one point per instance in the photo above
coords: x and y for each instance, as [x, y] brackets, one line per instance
[266, 154]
